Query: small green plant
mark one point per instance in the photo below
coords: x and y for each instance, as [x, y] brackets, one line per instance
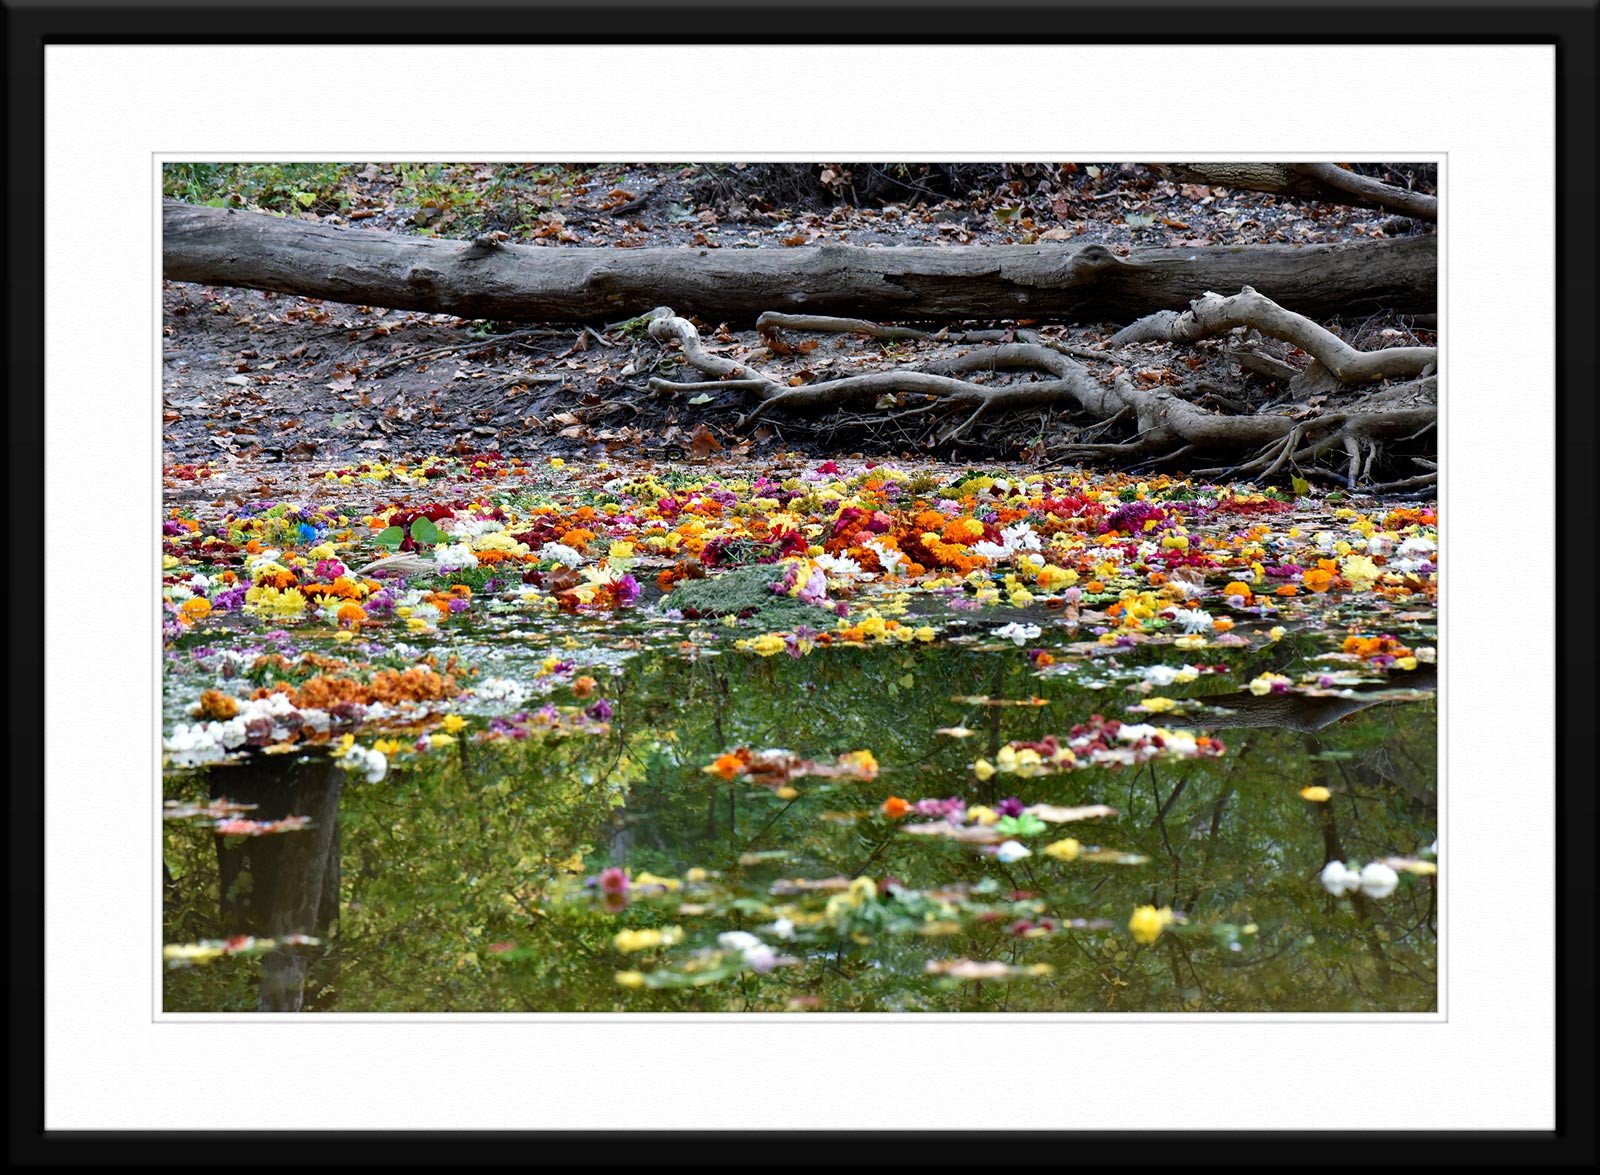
[271, 187]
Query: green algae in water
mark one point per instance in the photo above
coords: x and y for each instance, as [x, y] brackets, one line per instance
[747, 592]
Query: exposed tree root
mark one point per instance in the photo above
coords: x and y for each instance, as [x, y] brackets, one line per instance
[1166, 424]
[1213, 314]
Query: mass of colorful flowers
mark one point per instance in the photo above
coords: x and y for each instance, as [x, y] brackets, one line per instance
[329, 621]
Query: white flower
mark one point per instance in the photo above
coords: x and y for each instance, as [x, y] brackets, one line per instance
[1011, 851]
[1193, 620]
[500, 689]
[1019, 537]
[839, 567]
[1378, 880]
[988, 550]
[782, 928]
[1132, 732]
[372, 764]
[737, 940]
[757, 954]
[454, 558]
[891, 559]
[1338, 880]
[1018, 634]
[560, 553]
[761, 958]
[1162, 676]
[1418, 545]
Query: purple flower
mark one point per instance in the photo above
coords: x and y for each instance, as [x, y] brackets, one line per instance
[1010, 806]
[601, 711]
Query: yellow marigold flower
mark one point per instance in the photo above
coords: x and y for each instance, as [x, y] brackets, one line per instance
[1052, 577]
[1063, 850]
[1159, 705]
[630, 978]
[861, 763]
[1148, 922]
[1361, 571]
[766, 644]
[628, 941]
[983, 769]
[982, 815]
[1317, 795]
[452, 723]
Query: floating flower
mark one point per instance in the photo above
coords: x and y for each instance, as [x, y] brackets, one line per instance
[1010, 851]
[1148, 922]
[1338, 880]
[1378, 880]
[1018, 634]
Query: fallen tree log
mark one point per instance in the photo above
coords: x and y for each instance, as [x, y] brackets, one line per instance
[225, 247]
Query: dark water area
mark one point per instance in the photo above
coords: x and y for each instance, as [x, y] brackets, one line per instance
[612, 867]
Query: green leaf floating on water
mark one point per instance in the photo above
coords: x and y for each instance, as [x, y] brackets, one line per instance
[426, 533]
[392, 537]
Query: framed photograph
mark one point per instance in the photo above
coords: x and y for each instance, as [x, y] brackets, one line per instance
[984, 591]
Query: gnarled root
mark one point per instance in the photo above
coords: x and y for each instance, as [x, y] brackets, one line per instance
[1165, 423]
[1213, 314]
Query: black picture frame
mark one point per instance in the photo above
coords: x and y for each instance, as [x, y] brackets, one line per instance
[1570, 27]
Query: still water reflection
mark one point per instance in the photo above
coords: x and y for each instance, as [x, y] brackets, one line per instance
[476, 879]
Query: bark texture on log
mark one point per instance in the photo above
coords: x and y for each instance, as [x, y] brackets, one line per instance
[368, 267]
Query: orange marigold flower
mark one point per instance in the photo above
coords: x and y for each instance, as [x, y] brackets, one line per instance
[192, 610]
[351, 615]
[894, 807]
[963, 530]
[727, 766]
[1317, 580]
[1237, 589]
[216, 706]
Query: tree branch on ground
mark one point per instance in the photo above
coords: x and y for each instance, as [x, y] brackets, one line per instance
[1323, 181]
